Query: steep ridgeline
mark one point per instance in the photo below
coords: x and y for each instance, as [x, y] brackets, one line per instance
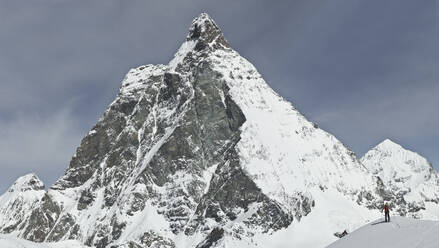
[411, 179]
[201, 153]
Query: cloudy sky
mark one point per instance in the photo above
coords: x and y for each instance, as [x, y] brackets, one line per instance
[363, 70]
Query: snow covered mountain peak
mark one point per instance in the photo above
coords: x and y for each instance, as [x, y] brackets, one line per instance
[388, 144]
[27, 182]
[18, 203]
[201, 152]
[389, 153]
[408, 174]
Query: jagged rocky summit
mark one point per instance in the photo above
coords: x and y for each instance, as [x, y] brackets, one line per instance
[200, 153]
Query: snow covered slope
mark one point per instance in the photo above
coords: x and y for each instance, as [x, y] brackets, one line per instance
[203, 153]
[408, 175]
[399, 233]
[17, 204]
[9, 241]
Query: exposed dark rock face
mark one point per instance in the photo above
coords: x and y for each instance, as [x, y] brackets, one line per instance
[206, 32]
[231, 193]
[43, 217]
[214, 236]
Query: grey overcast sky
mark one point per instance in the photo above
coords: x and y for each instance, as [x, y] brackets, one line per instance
[363, 70]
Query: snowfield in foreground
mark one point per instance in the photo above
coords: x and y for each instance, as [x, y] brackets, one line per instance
[8, 241]
[399, 233]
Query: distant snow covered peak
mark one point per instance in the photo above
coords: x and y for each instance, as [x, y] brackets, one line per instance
[389, 153]
[18, 203]
[406, 173]
[388, 144]
[27, 182]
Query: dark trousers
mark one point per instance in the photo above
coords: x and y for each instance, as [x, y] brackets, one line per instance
[387, 217]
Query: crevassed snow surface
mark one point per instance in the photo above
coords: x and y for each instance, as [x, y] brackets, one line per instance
[399, 233]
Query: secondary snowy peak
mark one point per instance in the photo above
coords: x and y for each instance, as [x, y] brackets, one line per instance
[26, 183]
[18, 203]
[388, 144]
[407, 173]
[390, 160]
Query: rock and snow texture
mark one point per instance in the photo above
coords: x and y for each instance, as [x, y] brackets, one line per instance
[17, 204]
[202, 153]
[9, 241]
[408, 175]
[399, 233]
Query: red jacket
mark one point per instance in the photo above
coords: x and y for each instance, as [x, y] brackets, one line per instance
[386, 208]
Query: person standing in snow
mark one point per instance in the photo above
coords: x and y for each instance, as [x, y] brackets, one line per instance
[386, 213]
